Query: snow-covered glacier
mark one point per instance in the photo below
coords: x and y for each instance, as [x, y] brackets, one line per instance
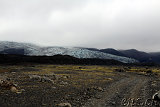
[31, 49]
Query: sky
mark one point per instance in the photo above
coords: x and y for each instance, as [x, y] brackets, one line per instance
[119, 24]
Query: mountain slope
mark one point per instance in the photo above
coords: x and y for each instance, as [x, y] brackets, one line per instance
[155, 56]
[112, 51]
[107, 50]
[30, 49]
[13, 51]
[139, 55]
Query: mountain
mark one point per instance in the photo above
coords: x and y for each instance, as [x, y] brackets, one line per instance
[155, 53]
[139, 55]
[112, 51]
[13, 51]
[155, 56]
[92, 49]
[32, 50]
[107, 50]
[144, 57]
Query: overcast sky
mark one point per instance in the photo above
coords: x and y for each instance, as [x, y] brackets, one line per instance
[119, 24]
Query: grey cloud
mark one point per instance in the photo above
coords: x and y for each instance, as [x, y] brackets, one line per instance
[119, 24]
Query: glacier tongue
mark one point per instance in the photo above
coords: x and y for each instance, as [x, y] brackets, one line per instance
[31, 49]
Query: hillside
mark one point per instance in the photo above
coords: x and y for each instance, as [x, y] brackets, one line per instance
[34, 50]
[113, 51]
[143, 57]
[139, 55]
[56, 59]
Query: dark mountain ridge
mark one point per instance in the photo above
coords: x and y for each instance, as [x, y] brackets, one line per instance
[35, 50]
[112, 51]
[143, 57]
[13, 51]
[56, 59]
[125, 56]
[139, 55]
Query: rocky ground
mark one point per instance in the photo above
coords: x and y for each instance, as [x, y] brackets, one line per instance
[133, 90]
[78, 86]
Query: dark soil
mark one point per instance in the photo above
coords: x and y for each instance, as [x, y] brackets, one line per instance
[131, 91]
[126, 89]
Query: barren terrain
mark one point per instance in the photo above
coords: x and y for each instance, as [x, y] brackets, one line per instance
[79, 86]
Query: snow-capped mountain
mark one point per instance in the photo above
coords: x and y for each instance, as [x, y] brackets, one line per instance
[31, 49]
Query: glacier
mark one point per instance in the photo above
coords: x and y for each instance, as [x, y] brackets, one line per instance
[35, 50]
